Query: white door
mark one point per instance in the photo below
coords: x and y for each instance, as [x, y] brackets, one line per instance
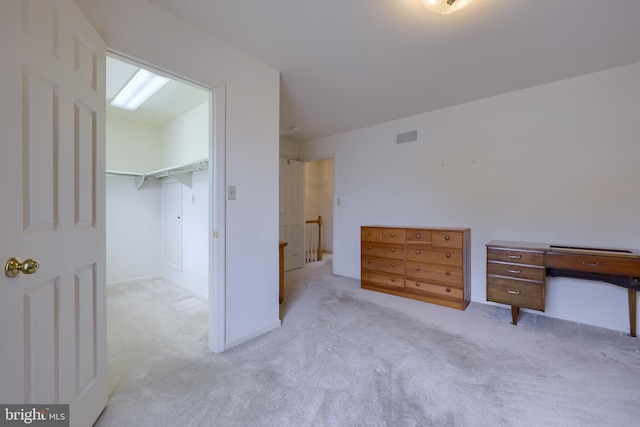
[52, 322]
[292, 221]
[173, 225]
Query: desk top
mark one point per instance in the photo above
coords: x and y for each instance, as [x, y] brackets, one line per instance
[567, 249]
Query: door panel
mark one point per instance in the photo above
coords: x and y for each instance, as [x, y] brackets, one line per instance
[173, 225]
[292, 213]
[39, 149]
[52, 117]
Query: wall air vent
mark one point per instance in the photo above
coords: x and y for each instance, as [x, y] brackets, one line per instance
[407, 137]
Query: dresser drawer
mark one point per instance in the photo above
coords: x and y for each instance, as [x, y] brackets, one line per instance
[516, 271]
[592, 264]
[388, 265]
[517, 293]
[370, 234]
[516, 256]
[382, 250]
[435, 256]
[435, 272]
[393, 235]
[448, 291]
[447, 239]
[379, 278]
[417, 235]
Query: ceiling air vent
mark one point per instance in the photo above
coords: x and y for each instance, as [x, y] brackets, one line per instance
[407, 137]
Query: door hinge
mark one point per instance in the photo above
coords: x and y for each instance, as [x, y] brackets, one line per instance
[215, 234]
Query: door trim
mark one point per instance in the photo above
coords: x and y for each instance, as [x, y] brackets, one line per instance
[217, 200]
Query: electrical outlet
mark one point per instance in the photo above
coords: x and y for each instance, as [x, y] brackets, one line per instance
[231, 192]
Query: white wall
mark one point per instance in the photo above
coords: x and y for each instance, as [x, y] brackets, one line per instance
[289, 149]
[133, 146]
[554, 164]
[140, 29]
[133, 229]
[186, 139]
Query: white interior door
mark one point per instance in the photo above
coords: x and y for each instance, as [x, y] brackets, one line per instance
[53, 322]
[173, 224]
[292, 222]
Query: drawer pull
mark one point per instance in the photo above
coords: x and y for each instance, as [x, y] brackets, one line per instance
[448, 289]
[446, 237]
[448, 255]
[369, 233]
[393, 279]
[369, 261]
[417, 268]
[512, 292]
[448, 273]
[369, 276]
[393, 264]
[417, 251]
[510, 270]
[417, 236]
[592, 264]
[514, 256]
[393, 234]
[393, 249]
[369, 247]
[418, 284]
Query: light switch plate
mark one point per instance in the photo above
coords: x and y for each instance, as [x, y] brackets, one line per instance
[231, 192]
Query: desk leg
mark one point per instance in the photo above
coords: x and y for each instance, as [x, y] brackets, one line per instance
[632, 312]
[515, 311]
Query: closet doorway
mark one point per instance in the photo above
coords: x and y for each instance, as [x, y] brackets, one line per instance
[159, 183]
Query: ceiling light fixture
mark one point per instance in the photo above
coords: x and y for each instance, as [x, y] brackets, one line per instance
[445, 7]
[138, 90]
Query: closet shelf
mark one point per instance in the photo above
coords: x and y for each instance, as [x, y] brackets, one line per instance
[182, 173]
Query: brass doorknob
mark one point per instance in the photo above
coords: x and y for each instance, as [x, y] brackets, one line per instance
[15, 266]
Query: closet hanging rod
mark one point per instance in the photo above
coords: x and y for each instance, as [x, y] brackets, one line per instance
[120, 173]
[181, 173]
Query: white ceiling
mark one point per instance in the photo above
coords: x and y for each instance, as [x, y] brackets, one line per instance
[171, 101]
[346, 64]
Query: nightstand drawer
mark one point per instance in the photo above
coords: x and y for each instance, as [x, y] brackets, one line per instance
[516, 271]
[517, 293]
[516, 256]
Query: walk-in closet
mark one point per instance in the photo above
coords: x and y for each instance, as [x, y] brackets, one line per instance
[157, 195]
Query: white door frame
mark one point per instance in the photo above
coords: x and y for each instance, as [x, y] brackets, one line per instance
[217, 199]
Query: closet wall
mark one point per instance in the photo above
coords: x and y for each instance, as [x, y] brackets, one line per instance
[136, 244]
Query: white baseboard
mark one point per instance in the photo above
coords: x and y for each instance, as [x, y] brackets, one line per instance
[233, 343]
[187, 288]
[139, 279]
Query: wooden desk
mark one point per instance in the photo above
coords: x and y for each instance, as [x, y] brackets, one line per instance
[282, 245]
[517, 271]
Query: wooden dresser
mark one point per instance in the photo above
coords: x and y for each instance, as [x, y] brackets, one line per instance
[427, 264]
[517, 272]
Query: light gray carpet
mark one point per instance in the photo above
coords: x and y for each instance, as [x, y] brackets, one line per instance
[350, 357]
